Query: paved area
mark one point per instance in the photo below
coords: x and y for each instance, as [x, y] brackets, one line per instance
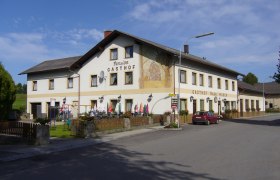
[236, 149]
[15, 152]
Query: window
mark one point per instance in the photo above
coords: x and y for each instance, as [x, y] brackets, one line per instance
[51, 84]
[210, 81]
[183, 78]
[233, 105]
[114, 79]
[183, 104]
[129, 52]
[247, 104]
[257, 105]
[201, 80]
[210, 105]
[233, 86]
[34, 86]
[128, 105]
[128, 77]
[226, 84]
[70, 83]
[252, 104]
[93, 81]
[193, 78]
[114, 54]
[219, 83]
[93, 103]
[201, 105]
[227, 104]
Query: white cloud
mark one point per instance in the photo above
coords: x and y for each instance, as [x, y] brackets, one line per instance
[22, 46]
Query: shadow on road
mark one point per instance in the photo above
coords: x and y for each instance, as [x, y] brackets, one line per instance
[106, 161]
[275, 122]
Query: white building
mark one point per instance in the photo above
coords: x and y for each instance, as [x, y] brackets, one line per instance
[129, 70]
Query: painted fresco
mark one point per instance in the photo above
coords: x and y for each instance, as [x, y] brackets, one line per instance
[156, 69]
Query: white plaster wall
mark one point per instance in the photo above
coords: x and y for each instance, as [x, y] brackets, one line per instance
[251, 97]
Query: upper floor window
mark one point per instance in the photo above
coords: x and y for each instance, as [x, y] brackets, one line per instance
[70, 83]
[128, 78]
[226, 84]
[193, 78]
[113, 79]
[183, 78]
[129, 52]
[210, 83]
[114, 54]
[201, 80]
[219, 83]
[93, 81]
[34, 85]
[233, 86]
[51, 84]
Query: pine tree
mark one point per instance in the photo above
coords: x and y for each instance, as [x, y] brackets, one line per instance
[276, 75]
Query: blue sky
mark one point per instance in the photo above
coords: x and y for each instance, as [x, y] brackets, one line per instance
[247, 32]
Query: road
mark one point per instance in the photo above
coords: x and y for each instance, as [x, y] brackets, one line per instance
[241, 149]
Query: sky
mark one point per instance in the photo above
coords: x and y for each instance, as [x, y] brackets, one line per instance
[246, 39]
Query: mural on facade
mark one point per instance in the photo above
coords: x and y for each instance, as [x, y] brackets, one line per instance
[156, 69]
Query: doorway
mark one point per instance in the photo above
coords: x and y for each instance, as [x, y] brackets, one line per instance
[194, 106]
[219, 108]
[36, 110]
[241, 107]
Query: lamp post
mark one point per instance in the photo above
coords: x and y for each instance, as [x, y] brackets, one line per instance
[179, 71]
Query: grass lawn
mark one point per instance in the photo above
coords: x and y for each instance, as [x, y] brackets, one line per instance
[60, 131]
[20, 101]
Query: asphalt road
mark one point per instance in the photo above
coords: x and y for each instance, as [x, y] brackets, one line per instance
[241, 149]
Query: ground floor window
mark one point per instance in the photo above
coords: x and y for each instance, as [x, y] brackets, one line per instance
[93, 103]
[233, 105]
[201, 104]
[257, 105]
[247, 105]
[128, 105]
[183, 104]
[210, 105]
[227, 105]
[252, 104]
[114, 104]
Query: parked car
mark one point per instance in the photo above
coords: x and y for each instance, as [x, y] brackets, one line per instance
[205, 117]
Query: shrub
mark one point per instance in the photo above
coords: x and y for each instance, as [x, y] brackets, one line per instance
[253, 109]
[248, 109]
[234, 111]
[127, 114]
[184, 112]
[42, 121]
[258, 109]
[172, 125]
[167, 113]
[227, 111]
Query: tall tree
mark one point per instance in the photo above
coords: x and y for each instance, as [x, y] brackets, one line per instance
[276, 75]
[19, 88]
[24, 88]
[7, 93]
[250, 78]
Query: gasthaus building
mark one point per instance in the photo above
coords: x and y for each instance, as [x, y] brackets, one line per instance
[127, 72]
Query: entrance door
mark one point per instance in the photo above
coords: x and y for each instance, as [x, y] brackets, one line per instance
[241, 107]
[194, 106]
[53, 112]
[219, 107]
[36, 110]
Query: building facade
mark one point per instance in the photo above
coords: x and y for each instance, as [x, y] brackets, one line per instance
[127, 73]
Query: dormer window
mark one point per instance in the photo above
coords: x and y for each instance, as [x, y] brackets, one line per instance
[129, 52]
[114, 54]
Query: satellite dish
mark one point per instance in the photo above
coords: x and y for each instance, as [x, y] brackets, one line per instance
[101, 75]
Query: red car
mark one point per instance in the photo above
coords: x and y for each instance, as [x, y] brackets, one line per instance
[205, 117]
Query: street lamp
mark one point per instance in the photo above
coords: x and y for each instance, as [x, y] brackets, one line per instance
[179, 71]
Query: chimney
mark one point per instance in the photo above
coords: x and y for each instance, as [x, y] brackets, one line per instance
[186, 48]
[107, 33]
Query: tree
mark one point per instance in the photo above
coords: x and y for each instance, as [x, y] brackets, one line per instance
[19, 88]
[276, 75]
[7, 93]
[250, 78]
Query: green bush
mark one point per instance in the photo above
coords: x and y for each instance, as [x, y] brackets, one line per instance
[184, 112]
[127, 114]
[228, 111]
[42, 121]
